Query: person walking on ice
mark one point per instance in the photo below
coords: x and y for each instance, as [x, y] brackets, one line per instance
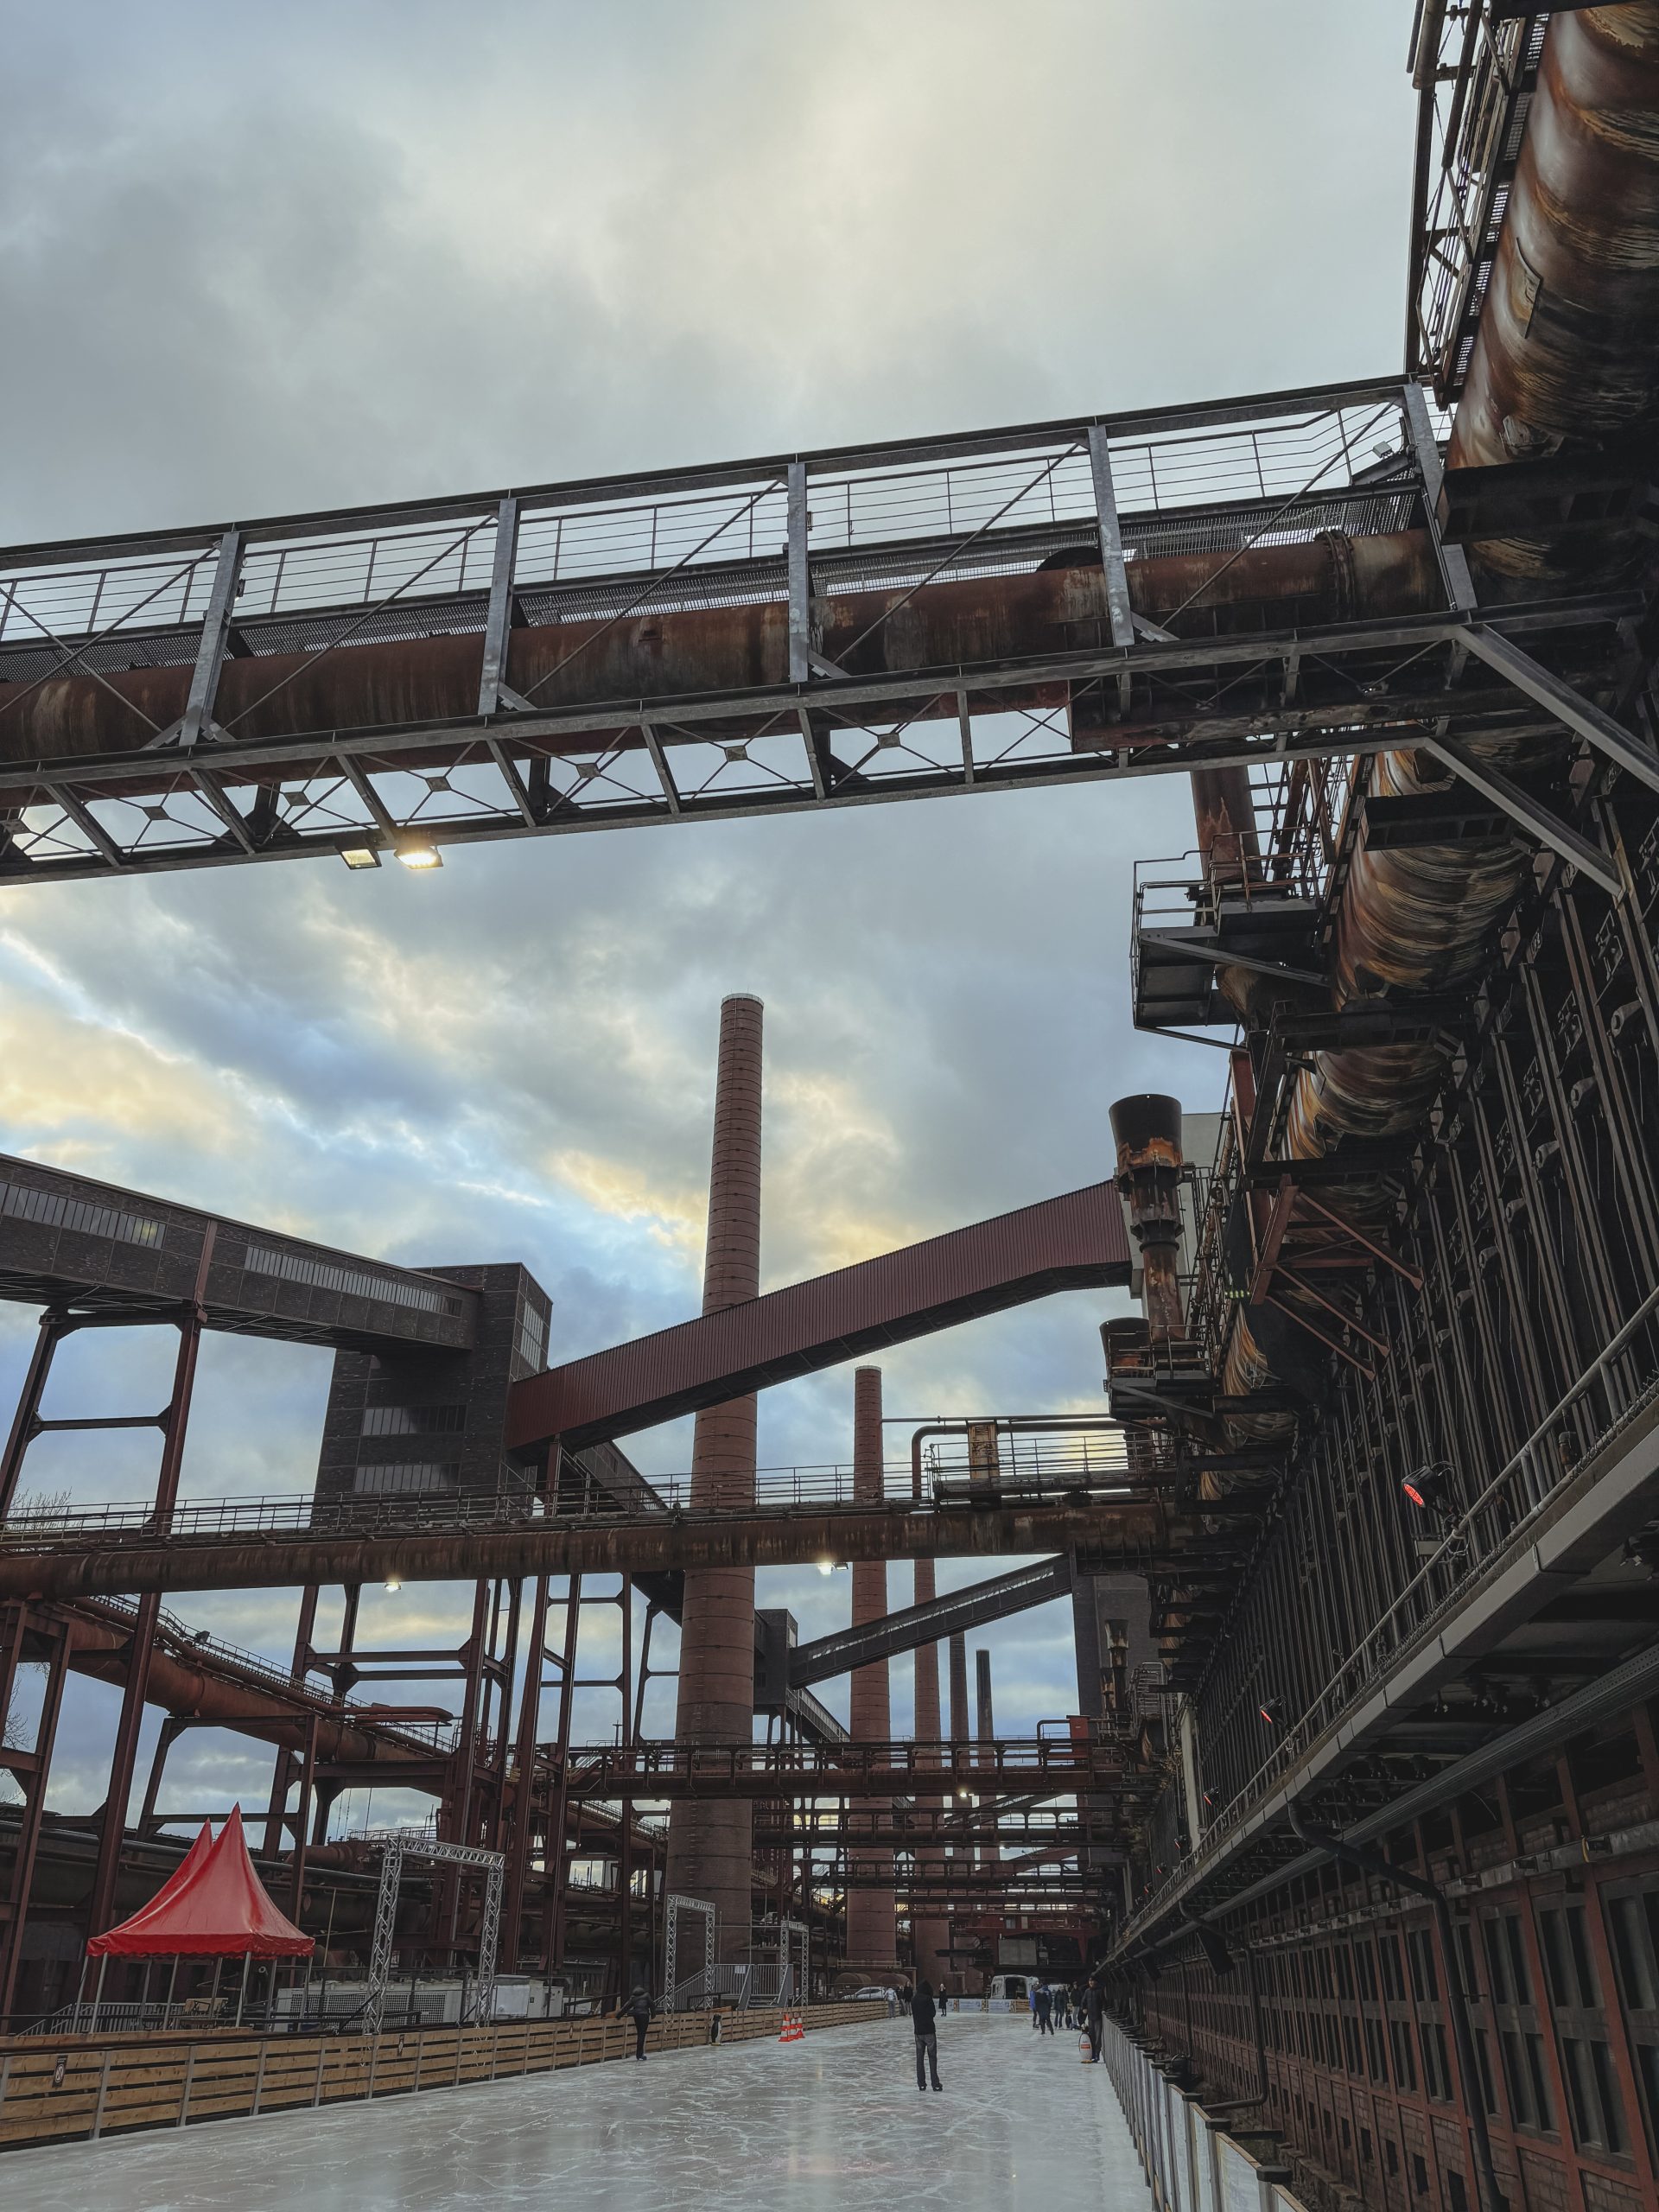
[639, 2006]
[927, 2041]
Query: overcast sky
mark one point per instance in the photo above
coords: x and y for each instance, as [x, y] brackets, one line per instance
[258, 259]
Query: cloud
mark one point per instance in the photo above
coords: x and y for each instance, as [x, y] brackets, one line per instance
[257, 261]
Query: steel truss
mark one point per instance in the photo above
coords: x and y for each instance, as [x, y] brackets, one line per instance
[396, 1848]
[674, 1908]
[1207, 480]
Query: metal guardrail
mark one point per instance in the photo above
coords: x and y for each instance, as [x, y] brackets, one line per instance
[1272, 468]
[778, 1491]
[1474, 67]
[1494, 1523]
[199, 1643]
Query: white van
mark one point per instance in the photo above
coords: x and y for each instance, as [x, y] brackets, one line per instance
[1010, 1992]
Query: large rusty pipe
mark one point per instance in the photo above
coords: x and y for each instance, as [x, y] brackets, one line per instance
[680, 651]
[1567, 349]
[659, 1545]
[102, 1651]
[1564, 353]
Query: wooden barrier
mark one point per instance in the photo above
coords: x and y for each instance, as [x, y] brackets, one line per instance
[56, 2091]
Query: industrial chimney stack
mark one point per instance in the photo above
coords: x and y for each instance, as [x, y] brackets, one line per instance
[710, 1846]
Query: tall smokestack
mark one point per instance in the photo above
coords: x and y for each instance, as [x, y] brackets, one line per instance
[961, 1727]
[871, 1936]
[711, 1845]
[930, 1936]
[982, 1684]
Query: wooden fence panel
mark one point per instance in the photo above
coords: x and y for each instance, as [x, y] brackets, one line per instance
[74, 2088]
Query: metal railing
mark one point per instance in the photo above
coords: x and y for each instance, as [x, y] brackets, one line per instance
[199, 1643]
[1474, 67]
[1082, 1476]
[1501, 1519]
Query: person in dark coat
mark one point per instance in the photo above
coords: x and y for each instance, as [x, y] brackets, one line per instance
[1045, 2009]
[639, 2006]
[926, 2034]
[1093, 2006]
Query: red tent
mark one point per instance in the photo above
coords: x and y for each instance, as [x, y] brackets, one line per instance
[215, 1907]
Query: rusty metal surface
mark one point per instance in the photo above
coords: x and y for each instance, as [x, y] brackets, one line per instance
[1137, 1531]
[872, 1912]
[1073, 1242]
[1146, 1128]
[1568, 345]
[1566, 348]
[678, 653]
[711, 1848]
[210, 1688]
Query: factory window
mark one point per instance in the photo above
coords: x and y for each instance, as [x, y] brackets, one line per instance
[21, 1202]
[1484, 2061]
[1387, 1952]
[1523, 2072]
[1367, 1970]
[1437, 2070]
[1596, 2120]
[1420, 1947]
[351, 1283]
[414, 1421]
[1405, 2069]
[1633, 1933]
[1419, 2174]
[1567, 1957]
[532, 1337]
[406, 1478]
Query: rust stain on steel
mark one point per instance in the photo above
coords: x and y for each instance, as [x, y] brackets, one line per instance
[1567, 343]
[679, 653]
[1137, 1529]
[1073, 1242]
[1148, 1129]
[1566, 348]
[219, 1692]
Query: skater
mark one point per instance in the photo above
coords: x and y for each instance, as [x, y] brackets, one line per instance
[639, 2006]
[1045, 2009]
[1094, 2006]
[927, 2041]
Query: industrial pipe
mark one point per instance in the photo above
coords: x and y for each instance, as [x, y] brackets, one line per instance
[191, 1692]
[1564, 353]
[1564, 356]
[676, 651]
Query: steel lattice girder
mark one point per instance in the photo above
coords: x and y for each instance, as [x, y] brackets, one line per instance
[76, 799]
